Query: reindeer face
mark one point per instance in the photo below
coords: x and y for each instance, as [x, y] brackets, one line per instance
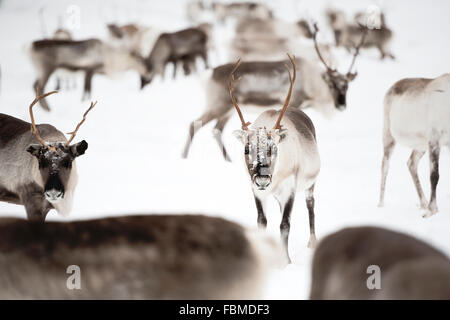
[338, 84]
[261, 152]
[55, 166]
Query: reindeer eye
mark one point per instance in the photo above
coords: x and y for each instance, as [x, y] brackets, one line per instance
[67, 164]
[247, 149]
[43, 163]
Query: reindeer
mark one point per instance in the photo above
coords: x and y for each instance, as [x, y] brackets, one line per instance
[269, 39]
[417, 115]
[281, 160]
[240, 10]
[348, 34]
[90, 56]
[171, 257]
[183, 46]
[263, 86]
[44, 178]
[409, 268]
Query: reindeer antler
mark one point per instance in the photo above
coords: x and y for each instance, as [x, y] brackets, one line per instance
[34, 129]
[288, 97]
[358, 47]
[74, 133]
[233, 99]
[316, 46]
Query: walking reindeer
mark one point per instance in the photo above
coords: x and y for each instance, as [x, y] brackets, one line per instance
[44, 178]
[417, 115]
[280, 160]
[264, 84]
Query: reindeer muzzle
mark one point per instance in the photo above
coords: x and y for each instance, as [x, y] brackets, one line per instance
[53, 195]
[262, 181]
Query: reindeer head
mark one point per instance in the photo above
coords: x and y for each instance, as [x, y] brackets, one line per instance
[336, 81]
[261, 144]
[55, 159]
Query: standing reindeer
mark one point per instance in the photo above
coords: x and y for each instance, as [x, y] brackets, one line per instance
[171, 257]
[409, 268]
[281, 160]
[417, 114]
[240, 10]
[348, 34]
[264, 84]
[183, 46]
[90, 56]
[44, 178]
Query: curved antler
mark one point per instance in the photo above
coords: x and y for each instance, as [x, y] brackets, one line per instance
[74, 133]
[361, 42]
[316, 46]
[288, 97]
[34, 129]
[233, 99]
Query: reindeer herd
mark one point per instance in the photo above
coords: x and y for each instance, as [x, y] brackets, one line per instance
[203, 257]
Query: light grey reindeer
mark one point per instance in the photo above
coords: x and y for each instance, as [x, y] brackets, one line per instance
[409, 268]
[417, 115]
[171, 257]
[282, 158]
[90, 56]
[37, 167]
[263, 85]
[348, 34]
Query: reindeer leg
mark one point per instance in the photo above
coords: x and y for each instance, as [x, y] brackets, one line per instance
[35, 204]
[204, 56]
[262, 220]
[413, 163]
[195, 126]
[286, 201]
[217, 132]
[389, 145]
[310, 206]
[87, 84]
[174, 75]
[39, 87]
[434, 150]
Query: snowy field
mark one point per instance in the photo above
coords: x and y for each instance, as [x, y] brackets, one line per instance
[133, 164]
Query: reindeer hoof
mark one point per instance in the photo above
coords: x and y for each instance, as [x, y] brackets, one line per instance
[380, 204]
[429, 212]
[312, 242]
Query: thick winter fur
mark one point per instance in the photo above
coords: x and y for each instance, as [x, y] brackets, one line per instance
[410, 268]
[292, 165]
[90, 56]
[417, 115]
[20, 180]
[134, 257]
[264, 84]
[183, 47]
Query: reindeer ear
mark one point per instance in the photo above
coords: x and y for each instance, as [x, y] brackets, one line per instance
[79, 148]
[239, 134]
[34, 149]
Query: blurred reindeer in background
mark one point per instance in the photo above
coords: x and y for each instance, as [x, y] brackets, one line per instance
[347, 34]
[241, 10]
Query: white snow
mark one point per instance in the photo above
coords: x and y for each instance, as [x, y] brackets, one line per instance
[134, 165]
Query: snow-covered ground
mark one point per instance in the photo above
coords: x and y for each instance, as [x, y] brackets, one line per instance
[134, 165]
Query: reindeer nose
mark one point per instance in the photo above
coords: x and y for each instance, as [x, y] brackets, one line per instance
[262, 182]
[53, 195]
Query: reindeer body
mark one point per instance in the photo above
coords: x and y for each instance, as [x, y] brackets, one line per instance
[410, 268]
[270, 39]
[240, 10]
[172, 257]
[183, 46]
[90, 56]
[417, 115]
[263, 85]
[20, 179]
